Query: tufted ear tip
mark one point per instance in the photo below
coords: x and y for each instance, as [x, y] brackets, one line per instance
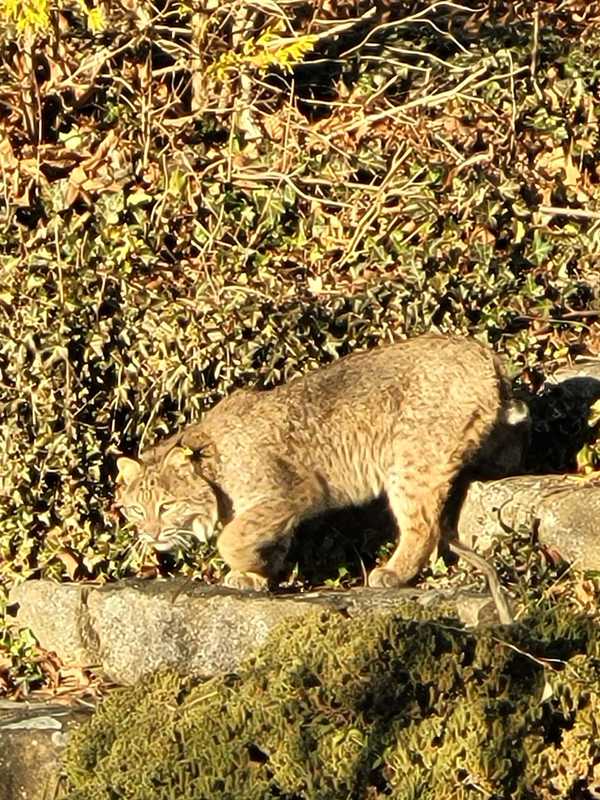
[196, 440]
[128, 469]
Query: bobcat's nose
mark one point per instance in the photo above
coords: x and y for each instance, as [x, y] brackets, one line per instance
[150, 534]
[149, 528]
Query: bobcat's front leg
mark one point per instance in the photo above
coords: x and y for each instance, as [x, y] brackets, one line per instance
[255, 543]
[417, 511]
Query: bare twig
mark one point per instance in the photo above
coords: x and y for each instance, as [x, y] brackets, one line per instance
[576, 213]
[534, 51]
[432, 99]
[504, 612]
[421, 16]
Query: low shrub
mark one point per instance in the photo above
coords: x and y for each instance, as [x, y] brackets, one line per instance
[402, 705]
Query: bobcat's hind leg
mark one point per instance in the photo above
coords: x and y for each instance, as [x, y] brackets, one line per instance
[255, 543]
[417, 511]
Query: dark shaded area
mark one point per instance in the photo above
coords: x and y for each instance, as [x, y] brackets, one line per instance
[560, 427]
[342, 543]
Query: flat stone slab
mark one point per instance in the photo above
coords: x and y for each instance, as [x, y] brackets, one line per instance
[32, 738]
[133, 628]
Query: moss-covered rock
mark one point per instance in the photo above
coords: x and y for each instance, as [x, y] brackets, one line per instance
[373, 707]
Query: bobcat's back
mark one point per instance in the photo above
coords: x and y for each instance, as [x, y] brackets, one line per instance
[421, 403]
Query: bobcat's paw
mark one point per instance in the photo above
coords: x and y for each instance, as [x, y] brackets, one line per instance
[246, 580]
[382, 578]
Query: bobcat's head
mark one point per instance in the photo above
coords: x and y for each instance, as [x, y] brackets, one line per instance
[167, 501]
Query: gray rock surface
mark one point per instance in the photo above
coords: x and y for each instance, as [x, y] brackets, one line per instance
[133, 628]
[585, 369]
[32, 738]
[564, 510]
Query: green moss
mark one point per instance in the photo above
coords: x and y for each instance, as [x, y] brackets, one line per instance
[376, 706]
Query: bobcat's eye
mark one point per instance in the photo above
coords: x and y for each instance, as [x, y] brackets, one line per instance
[135, 512]
[166, 507]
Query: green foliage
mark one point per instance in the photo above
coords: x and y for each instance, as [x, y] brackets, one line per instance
[399, 705]
[263, 54]
[35, 16]
[19, 667]
[28, 15]
[588, 458]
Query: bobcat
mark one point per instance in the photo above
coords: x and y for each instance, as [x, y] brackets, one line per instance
[413, 419]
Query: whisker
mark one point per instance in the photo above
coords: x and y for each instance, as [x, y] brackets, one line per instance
[182, 540]
[133, 545]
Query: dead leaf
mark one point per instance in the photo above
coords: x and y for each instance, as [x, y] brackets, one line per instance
[69, 561]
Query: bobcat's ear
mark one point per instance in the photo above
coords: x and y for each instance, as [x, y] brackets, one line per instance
[129, 470]
[177, 459]
[197, 441]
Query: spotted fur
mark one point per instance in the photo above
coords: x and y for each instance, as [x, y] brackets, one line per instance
[411, 419]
